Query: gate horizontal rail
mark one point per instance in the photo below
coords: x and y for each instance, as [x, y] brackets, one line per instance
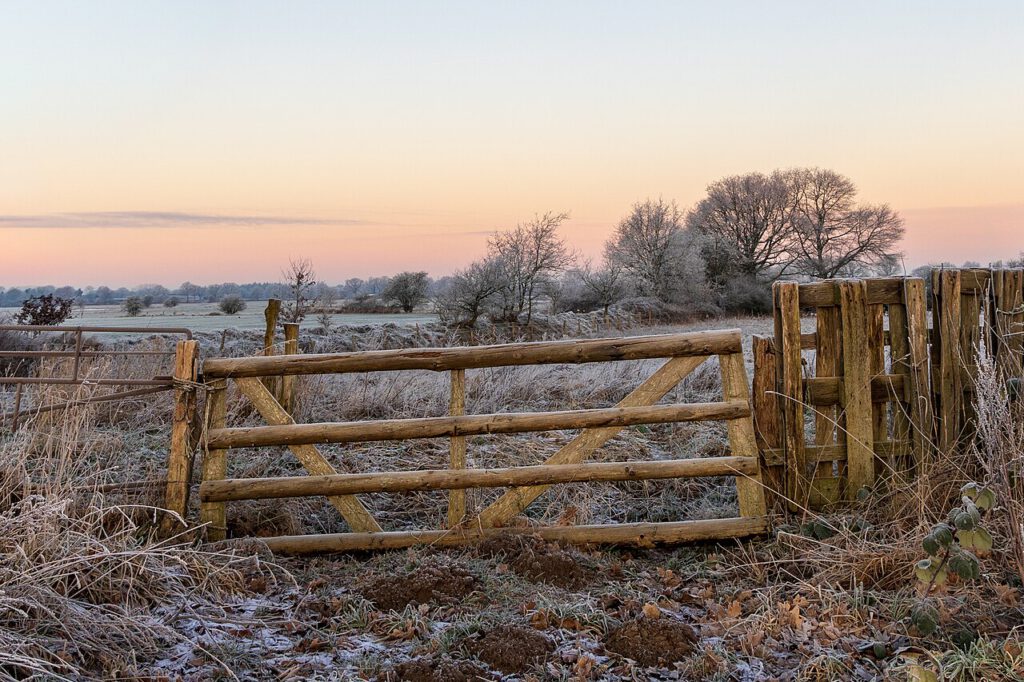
[475, 357]
[448, 479]
[472, 425]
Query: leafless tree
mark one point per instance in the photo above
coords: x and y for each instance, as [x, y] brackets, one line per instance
[300, 278]
[748, 223]
[643, 246]
[528, 255]
[834, 236]
[470, 292]
[606, 284]
[408, 289]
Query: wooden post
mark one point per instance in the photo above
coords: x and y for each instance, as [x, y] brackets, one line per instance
[859, 424]
[179, 461]
[270, 315]
[291, 347]
[791, 390]
[765, 405]
[457, 448]
[215, 462]
[742, 442]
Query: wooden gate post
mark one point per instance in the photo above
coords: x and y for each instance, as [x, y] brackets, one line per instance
[291, 347]
[179, 461]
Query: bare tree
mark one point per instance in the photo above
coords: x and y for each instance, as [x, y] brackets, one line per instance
[748, 223]
[642, 246]
[529, 255]
[834, 236]
[469, 293]
[300, 278]
[606, 284]
[408, 289]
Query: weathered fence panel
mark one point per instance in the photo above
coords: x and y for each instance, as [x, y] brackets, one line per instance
[885, 390]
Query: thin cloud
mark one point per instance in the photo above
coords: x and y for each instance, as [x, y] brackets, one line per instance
[161, 220]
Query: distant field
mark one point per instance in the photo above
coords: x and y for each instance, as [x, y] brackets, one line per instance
[206, 317]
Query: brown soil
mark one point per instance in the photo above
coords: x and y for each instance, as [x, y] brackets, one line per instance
[431, 582]
[262, 519]
[511, 648]
[429, 670]
[650, 641]
[537, 560]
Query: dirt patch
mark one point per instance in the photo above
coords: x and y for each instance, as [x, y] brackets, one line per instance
[431, 582]
[511, 648]
[262, 519]
[652, 641]
[444, 670]
[539, 561]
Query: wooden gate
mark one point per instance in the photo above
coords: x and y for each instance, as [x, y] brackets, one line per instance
[684, 353]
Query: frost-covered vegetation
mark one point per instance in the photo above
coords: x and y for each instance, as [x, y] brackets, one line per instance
[87, 592]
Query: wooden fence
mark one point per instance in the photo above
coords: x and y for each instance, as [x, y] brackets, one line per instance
[684, 353]
[856, 399]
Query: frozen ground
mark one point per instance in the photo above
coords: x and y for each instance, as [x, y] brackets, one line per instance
[206, 317]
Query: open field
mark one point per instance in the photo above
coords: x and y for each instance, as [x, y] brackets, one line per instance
[804, 605]
[207, 317]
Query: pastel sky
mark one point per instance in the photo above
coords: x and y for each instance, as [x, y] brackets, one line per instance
[210, 141]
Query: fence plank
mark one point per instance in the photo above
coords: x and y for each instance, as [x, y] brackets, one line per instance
[899, 356]
[858, 421]
[876, 360]
[742, 442]
[950, 386]
[824, 486]
[656, 387]
[358, 518]
[918, 392]
[791, 393]
[457, 447]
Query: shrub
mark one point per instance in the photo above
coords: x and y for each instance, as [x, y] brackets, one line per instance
[232, 304]
[171, 302]
[44, 310]
[746, 295]
[132, 306]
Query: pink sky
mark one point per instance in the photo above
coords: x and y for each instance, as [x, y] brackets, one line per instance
[159, 253]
